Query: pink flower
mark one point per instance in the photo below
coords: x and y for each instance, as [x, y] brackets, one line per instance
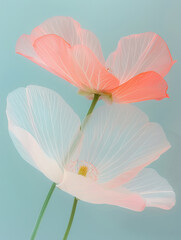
[108, 166]
[133, 73]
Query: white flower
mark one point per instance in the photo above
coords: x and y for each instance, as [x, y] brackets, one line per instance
[108, 164]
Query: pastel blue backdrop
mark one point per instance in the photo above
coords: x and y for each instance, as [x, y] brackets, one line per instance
[22, 188]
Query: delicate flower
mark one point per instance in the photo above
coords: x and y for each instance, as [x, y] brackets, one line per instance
[133, 73]
[108, 166]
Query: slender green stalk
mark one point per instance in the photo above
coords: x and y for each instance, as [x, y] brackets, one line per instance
[93, 104]
[78, 137]
[71, 219]
[43, 210]
[94, 101]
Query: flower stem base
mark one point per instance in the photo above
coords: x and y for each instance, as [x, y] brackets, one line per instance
[71, 219]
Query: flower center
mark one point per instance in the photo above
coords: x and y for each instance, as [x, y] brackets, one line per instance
[83, 170]
[89, 93]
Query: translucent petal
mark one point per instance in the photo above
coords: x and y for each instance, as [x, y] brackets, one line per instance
[156, 191]
[24, 47]
[92, 192]
[77, 64]
[71, 31]
[140, 53]
[145, 86]
[43, 120]
[31, 151]
[119, 141]
[65, 27]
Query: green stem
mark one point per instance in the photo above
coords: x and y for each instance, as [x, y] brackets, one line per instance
[43, 211]
[94, 101]
[71, 219]
[93, 104]
[78, 137]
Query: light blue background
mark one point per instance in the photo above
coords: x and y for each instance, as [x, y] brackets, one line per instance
[22, 188]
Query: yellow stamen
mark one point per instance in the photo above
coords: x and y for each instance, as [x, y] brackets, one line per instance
[83, 171]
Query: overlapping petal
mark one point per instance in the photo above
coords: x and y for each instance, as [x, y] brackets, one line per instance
[145, 86]
[71, 31]
[90, 191]
[25, 48]
[76, 64]
[64, 27]
[153, 188]
[133, 73]
[147, 189]
[32, 152]
[118, 143]
[140, 53]
[43, 128]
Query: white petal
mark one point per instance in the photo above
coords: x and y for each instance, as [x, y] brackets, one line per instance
[90, 191]
[31, 151]
[156, 191]
[119, 141]
[71, 31]
[140, 53]
[39, 117]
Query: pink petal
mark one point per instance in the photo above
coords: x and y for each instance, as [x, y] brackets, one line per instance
[71, 31]
[140, 53]
[24, 47]
[145, 86]
[92, 192]
[77, 64]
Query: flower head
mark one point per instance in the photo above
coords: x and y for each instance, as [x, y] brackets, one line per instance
[133, 72]
[108, 164]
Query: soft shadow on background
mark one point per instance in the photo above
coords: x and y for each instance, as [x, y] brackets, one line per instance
[22, 188]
